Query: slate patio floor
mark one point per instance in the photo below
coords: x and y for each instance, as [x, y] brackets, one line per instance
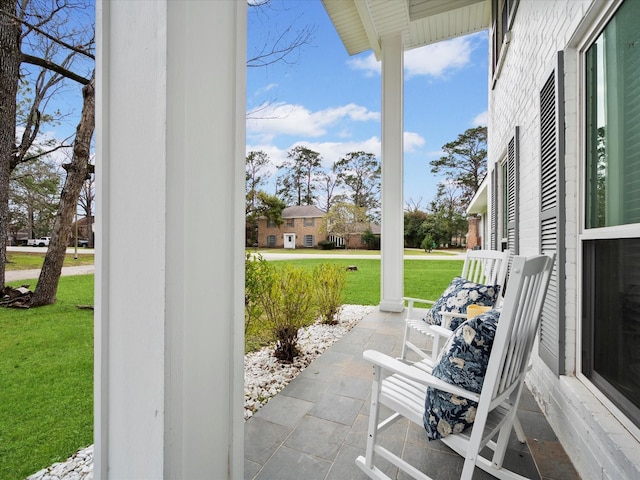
[316, 427]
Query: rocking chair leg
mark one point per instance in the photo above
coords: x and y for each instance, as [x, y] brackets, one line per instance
[374, 414]
[517, 427]
[403, 356]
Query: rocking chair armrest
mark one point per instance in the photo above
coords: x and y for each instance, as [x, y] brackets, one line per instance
[417, 375]
[412, 300]
[410, 305]
[441, 331]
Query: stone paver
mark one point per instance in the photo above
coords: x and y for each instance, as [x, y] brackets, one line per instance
[316, 427]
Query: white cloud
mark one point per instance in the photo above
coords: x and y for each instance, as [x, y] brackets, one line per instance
[333, 151]
[412, 141]
[368, 64]
[480, 119]
[439, 58]
[433, 60]
[329, 151]
[266, 88]
[289, 119]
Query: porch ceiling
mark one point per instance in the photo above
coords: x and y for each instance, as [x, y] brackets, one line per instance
[362, 23]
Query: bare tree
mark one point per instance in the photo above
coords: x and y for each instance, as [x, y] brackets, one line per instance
[77, 172]
[280, 45]
[86, 202]
[328, 181]
[38, 34]
[345, 220]
[9, 76]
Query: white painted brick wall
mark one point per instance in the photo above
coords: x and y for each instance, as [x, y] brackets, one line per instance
[598, 444]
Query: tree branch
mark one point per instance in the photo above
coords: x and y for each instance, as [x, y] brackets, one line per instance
[49, 36]
[41, 62]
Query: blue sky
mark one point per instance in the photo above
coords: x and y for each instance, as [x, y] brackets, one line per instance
[331, 102]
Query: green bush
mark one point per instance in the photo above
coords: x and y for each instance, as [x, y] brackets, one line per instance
[255, 268]
[288, 304]
[326, 245]
[370, 240]
[330, 280]
[428, 244]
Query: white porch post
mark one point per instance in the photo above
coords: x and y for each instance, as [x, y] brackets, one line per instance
[170, 169]
[392, 275]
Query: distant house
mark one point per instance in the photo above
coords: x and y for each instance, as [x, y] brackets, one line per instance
[84, 227]
[301, 228]
[356, 240]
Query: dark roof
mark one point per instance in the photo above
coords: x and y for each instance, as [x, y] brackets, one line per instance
[302, 211]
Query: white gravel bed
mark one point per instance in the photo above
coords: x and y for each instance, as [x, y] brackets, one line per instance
[264, 377]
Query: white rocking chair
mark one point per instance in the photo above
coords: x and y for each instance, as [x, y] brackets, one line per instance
[486, 267]
[403, 387]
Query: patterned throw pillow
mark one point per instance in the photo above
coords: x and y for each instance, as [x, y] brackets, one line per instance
[459, 295]
[463, 362]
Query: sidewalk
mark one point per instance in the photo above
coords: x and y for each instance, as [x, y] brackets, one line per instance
[16, 275]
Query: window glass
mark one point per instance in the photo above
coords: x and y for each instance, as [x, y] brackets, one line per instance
[611, 266]
[612, 310]
[308, 240]
[613, 122]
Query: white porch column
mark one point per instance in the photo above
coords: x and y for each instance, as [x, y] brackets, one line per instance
[392, 275]
[169, 306]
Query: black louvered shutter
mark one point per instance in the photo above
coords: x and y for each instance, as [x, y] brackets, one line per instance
[512, 188]
[494, 209]
[551, 345]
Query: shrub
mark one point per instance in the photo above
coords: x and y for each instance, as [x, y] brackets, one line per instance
[288, 304]
[330, 280]
[255, 270]
[326, 245]
[370, 240]
[428, 244]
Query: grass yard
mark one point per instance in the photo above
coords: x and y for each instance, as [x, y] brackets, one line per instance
[341, 251]
[46, 360]
[46, 380]
[422, 278]
[34, 260]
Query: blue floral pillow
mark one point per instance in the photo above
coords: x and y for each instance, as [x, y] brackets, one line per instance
[463, 362]
[459, 295]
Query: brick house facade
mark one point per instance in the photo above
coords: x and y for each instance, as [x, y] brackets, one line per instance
[301, 229]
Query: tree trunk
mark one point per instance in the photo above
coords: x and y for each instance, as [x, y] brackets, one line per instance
[9, 76]
[45, 292]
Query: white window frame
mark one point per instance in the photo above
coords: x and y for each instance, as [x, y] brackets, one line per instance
[600, 20]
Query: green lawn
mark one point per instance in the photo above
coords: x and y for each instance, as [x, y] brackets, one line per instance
[46, 361]
[46, 380]
[341, 251]
[422, 278]
[34, 260]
